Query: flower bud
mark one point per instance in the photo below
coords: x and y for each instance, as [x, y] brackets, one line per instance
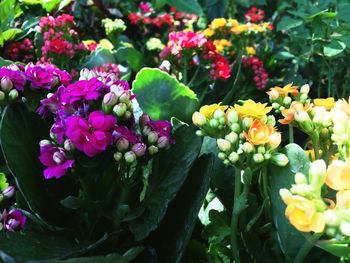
[146, 130]
[275, 140]
[275, 105]
[84, 74]
[317, 173]
[232, 137]
[287, 101]
[152, 137]
[122, 145]
[125, 97]
[213, 123]
[303, 97]
[247, 122]
[235, 128]
[9, 192]
[13, 94]
[331, 218]
[223, 145]
[139, 149]
[130, 157]
[68, 145]
[218, 114]
[163, 142]
[43, 143]
[304, 121]
[302, 189]
[300, 178]
[117, 156]
[247, 147]
[258, 158]
[6, 84]
[152, 150]
[231, 116]
[110, 99]
[261, 149]
[267, 156]
[198, 119]
[200, 133]
[279, 159]
[120, 109]
[2, 96]
[285, 194]
[222, 156]
[345, 228]
[127, 115]
[331, 231]
[274, 95]
[59, 157]
[271, 120]
[305, 89]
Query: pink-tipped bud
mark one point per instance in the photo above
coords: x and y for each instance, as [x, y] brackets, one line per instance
[198, 119]
[6, 84]
[59, 157]
[274, 95]
[68, 145]
[163, 142]
[110, 99]
[130, 157]
[152, 137]
[139, 149]
[122, 144]
[9, 192]
[43, 143]
[124, 97]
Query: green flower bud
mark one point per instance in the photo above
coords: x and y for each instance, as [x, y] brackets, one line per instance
[119, 109]
[232, 137]
[152, 150]
[248, 147]
[127, 115]
[122, 144]
[287, 101]
[261, 149]
[303, 97]
[235, 127]
[279, 159]
[213, 123]
[198, 119]
[233, 157]
[275, 105]
[232, 116]
[125, 97]
[267, 156]
[130, 157]
[317, 173]
[247, 122]
[345, 228]
[222, 156]
[271, 120]
[117, 156]
[13, 94]
[223, 145]
[219, 114]
[200, 133]
[331, 231]
[258, 158]
[226, 162]
[331, 218]
[300, 178]
[152, 137]
[305, 89]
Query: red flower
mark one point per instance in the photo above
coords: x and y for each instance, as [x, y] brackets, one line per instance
[254, 15]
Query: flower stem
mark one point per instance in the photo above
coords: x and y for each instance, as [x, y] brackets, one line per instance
[184, 72]
[315, 142]
[305, 249]
[234, 217]
[291, 133]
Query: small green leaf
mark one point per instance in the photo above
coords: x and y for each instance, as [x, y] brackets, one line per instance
[334, 48]
[162, 96]
[240, 204]
[288, 23]
[3, 182]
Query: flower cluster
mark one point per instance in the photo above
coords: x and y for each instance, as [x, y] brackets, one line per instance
[310, 209]
[95, 115]
[113, 28]
[254, 15]
[147, 16]
[245, 133]
[21, 51]
[194, 49]
[59, 38]
[260, 75]
[12, 220]
[14, 79]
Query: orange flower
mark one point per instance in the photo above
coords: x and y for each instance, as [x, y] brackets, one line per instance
[285, 90]
[259, 133]
[338, 175]
[288, 114]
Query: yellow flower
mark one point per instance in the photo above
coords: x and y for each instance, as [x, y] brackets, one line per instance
[343, 105]
[289, 114]
[303, 215]
[259, 133]
[218, 23]
[238, 29]
[250, 50]
[106, 44]
[327, 103]
[287, 89]
[208, 32]
[252, 109]
[343, 199]
[89, 42]
[338, 175]
[220, 44]
[208, 110]
[233, 22]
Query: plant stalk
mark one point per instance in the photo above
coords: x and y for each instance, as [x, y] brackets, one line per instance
[234, 217]
[306, 248]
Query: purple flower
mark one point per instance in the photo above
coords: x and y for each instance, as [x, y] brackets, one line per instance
[64, 77]
[17, 77]
[162, 128]
[83, 89]
[39, 77]
[123, 132]
[13, 220]
[51, 103]
[91, 136]
[56, 161]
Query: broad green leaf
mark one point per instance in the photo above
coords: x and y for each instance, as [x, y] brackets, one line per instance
[288, 23]
[215, 8]
[28, 27]
[334, 48]
[158, 3]
[9, 34]
[172, 236]
[188, 6]
[7, 13]
[50, 5]
[63, 4]
[3, 182]
[162, 96]
[335, 248]
[99, 57]
[131, 56]
[344, 12]
[5, 62]
[282, 177]
[170, 170]
[20, 134]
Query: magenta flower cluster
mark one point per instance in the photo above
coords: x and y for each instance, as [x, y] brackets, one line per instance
[93, 115]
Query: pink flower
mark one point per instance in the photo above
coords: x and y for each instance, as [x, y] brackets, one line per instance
[184, 40]
[145, 7]
[13, 220]
[56, 161]
[83, 89]
[91, 136]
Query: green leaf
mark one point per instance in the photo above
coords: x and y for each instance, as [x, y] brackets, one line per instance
[162, 96]
[335, 248]
[344, 12]
[20, 134]
[170, 170]
[9, 34]
[50, 5]
[63, 4]
[158, 3]
[188, 6]
[3, 182]
[282, 177]
[7, 13]
[28, 27]
[5, 62]
[334, 48]
[172, 236]
[288, 23]
[322, 14]
[284, 55]
[99, 57]
[131, 56]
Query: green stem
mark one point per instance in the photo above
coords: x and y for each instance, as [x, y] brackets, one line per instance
[234, 217]
[305, 249]
[291, 133]
[315, 142]
[229, 96]
[194, 77]
[122, 198]
[184, 72]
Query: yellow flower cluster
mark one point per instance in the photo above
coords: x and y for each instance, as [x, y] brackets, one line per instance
[221, 44]
[311, 210]
[244, 133]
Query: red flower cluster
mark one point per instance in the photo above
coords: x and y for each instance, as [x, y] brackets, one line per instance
[260, 74]
[219, 67]
[21, 51]
[146, 15]
[59, 37]
[254, 15]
